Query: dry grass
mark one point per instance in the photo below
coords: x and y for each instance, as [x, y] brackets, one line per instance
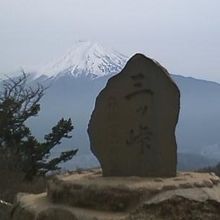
[11, 182]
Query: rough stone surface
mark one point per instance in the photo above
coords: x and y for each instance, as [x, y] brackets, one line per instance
[132, 128]
[177, 208]
[38, 207]
[92, 190]
[90, 196]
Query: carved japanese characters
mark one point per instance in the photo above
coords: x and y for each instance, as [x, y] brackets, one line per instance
[132, 128]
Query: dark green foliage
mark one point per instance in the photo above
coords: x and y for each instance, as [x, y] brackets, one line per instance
[18, 148]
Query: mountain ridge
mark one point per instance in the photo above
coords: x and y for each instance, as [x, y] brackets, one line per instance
[85, 59]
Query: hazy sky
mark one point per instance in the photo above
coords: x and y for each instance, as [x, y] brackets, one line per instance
[184, 36]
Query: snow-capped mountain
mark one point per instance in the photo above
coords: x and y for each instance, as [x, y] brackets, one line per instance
[85, 58]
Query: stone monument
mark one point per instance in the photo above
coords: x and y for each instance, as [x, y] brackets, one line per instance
[132, 128]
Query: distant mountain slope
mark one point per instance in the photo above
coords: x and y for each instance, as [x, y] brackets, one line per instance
[192, 161]
[199, 122]
[198, 127]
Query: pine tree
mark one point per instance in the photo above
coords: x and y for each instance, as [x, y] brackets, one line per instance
[19, 149]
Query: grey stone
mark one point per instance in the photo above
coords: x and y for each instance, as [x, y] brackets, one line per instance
[132, 128]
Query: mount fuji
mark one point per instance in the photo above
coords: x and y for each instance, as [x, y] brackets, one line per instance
[85, 59]
[75, 80]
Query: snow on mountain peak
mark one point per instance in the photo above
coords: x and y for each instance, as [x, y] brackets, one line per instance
[86, 59]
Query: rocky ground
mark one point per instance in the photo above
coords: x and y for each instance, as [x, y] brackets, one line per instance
[89, 196]
[178, 208]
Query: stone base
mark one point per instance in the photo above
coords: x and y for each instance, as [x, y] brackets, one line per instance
[38, 207]
[88, 195]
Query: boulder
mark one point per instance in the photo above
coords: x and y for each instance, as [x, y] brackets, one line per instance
[132, 128]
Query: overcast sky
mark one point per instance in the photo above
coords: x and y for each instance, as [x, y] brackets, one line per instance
[184, 36]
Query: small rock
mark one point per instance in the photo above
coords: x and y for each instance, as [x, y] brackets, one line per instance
[208, 183]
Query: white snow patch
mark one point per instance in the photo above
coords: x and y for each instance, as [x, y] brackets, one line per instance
[85, 59]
